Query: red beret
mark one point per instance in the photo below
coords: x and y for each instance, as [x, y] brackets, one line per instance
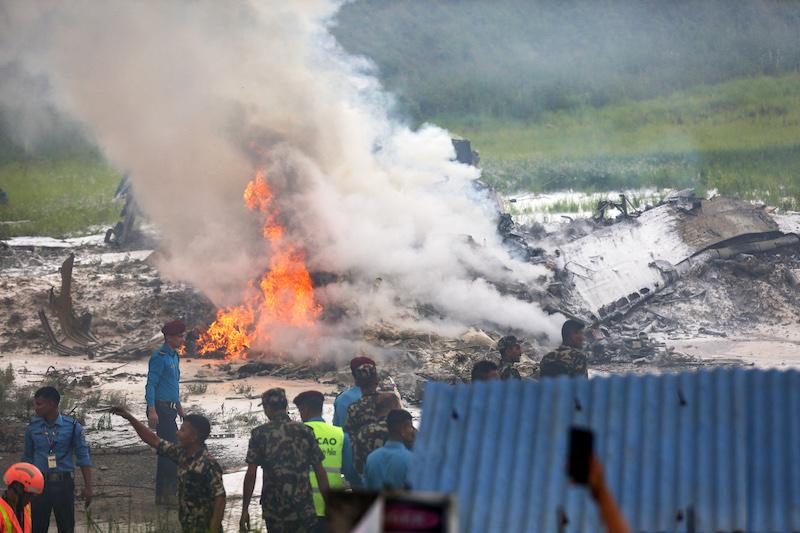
[176, 327]
[308, 395]
[359, 361]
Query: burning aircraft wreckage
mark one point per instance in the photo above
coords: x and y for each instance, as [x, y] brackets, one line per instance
[685, 268]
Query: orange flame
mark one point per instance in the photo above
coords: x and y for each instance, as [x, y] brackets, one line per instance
[284, 296]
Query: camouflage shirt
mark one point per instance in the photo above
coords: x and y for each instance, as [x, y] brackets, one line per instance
[361, 413]
[508, 371]
[285, 450]
[565, 361]
[199, 482]
[366, 440]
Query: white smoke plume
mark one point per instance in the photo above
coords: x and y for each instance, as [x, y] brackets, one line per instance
[191, 97]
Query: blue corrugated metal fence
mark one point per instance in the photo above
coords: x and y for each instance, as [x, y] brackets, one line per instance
[706, 451]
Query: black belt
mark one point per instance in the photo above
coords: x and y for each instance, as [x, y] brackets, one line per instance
[168, 405]
[58, 476]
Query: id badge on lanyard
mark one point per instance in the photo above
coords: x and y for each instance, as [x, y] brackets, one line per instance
[52, 464]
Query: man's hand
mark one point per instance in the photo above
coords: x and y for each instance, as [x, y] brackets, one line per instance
[244, 521]
[152, 417]
[87, 495]
[180, 412]
[120, 411]
[597, 481]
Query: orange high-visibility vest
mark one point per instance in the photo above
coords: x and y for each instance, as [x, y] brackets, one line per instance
[8, 519]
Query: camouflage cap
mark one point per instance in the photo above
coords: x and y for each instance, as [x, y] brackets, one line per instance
[507, 342]
[275, 397]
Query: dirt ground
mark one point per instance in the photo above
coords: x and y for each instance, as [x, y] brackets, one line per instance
[124, 468]
[743, 312]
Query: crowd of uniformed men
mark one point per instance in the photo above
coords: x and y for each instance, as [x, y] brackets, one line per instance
[367, 446]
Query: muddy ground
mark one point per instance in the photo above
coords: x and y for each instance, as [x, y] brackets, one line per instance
[739, 312]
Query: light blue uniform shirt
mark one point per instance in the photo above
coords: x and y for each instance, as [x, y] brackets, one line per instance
[342, 402]
[163, 376]
[387, 467]
[64, 437]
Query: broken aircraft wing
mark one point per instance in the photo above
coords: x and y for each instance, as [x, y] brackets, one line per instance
[611, 270]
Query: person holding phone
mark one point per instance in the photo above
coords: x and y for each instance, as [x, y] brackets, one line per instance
[584, 468]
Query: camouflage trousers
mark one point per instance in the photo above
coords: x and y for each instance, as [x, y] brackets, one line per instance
[196, 523]
[291, 526]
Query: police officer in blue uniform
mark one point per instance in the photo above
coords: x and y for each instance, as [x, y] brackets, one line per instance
[162, 394]
[51, 440]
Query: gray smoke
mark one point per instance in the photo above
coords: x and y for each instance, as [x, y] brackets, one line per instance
[191, 97]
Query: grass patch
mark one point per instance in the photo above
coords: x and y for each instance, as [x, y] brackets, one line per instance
[16, 399]
[196, 388]
[740, 137]
[243, 389]
[57, 197]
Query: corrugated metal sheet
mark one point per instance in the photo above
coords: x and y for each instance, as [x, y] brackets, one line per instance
[708, 451]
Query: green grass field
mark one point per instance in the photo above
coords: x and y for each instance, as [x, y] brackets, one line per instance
[741, 137]
[57, 197]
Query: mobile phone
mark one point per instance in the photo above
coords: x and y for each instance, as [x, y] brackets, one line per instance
[581, 446]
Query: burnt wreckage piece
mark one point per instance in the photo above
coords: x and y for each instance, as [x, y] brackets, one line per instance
[75, 329]
[123, 231]
[615, 269]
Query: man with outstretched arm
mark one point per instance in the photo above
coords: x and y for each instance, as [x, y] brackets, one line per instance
[201, 494]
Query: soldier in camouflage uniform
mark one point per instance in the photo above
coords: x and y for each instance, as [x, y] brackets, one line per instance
[363, 411]
[510, 353]
[201, 494]
[373, 435]
[286, 451]
[568, 359]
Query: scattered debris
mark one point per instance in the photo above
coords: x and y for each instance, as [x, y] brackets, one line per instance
[76, 329]
[683, 269]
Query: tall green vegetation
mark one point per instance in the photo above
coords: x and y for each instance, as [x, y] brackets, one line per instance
[522, 58]
[57, 196]
[600, 94]
[741, 137]
[556, 94]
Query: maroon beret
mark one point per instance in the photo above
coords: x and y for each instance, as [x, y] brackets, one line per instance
[359, 361]
[176, 327]
[309, 395]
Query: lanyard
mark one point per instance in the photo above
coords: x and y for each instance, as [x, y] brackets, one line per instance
[51, 437]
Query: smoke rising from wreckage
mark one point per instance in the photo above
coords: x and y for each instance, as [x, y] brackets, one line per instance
[361, 193]
[410, 244]
[736, 270]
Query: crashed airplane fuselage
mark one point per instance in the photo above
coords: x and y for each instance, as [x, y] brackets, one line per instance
[615, 268]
